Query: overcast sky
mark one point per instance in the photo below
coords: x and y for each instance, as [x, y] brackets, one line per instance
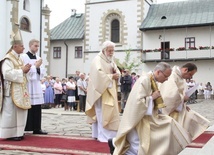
[61, 9]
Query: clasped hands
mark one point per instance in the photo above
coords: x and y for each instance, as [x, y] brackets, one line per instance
[115, 76]
[26, 68]
[38, 63]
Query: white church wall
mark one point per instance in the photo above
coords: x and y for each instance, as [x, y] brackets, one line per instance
[3, 28]
[96, 13]
[33, 15]
[6, 26]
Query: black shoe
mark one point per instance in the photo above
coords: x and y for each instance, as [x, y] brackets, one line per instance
[111, 147]
[15, 138]
[40, 132]
[21, 137]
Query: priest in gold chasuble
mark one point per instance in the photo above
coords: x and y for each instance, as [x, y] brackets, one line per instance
[101, 102]
[143, 129]
[16, 100]
[174, 95]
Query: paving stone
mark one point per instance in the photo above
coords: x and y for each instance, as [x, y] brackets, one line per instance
[73, 123]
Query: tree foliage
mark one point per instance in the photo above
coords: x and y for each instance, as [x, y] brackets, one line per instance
[128, 63]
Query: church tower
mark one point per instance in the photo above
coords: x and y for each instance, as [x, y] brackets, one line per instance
[115, 20]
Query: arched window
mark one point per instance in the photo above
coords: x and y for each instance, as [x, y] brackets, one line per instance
[25, 24]
[115, 31]
[113, 27]
[26, 5]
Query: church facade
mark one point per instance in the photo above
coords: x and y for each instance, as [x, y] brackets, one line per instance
[114, 20]
[33, 20]
[118, 21]
[174, 32]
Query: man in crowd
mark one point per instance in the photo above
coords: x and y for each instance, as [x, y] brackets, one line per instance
[34, 76]
[101, 102]
[16, 101]
[82, 91]
[143, 129]
[174, 95]
[76, 78]
[126, 82]
[134, 78]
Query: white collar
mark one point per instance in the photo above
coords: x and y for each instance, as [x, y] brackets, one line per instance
[15, 54]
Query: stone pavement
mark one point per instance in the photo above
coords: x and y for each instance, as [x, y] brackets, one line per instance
[72, 123]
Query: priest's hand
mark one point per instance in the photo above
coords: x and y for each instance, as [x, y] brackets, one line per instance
[26, 68]
[38, 63]
[156, 94]
[188, 108]
[186, 98]
[115, 76]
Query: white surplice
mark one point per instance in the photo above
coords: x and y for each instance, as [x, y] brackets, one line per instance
[34, 85]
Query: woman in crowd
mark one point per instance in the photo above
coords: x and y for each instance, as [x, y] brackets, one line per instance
[64, 94]
[207, 91]
[49, 94]
[71, 87]
[57, 92]
[43, 86]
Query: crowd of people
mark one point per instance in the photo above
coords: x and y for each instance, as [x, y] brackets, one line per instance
[156, 118]
[66, 92]
[205, 92]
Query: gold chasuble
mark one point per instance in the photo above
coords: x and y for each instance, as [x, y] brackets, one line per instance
[173, 92]
[158, 134]
[19, 91]
[101, 85]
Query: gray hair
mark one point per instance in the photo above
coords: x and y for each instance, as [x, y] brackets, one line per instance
[162, 66]
[107, 44]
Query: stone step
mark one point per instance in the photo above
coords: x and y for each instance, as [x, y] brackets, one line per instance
[207, 149]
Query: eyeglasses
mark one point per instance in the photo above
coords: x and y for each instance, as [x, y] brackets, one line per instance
[164, 74]
[190, 74]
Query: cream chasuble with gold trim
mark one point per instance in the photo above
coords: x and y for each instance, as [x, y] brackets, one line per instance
[158, 134]
[173, 92]
[100, 79]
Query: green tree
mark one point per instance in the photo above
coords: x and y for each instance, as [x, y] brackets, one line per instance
[129, 64]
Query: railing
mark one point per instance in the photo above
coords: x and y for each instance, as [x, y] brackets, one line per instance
[179, 55]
